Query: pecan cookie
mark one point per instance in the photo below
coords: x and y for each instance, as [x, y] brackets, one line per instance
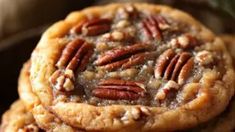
[43, 118]
[18, 119]
[132, 67]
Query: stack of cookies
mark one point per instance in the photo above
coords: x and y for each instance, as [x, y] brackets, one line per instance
[126, 67]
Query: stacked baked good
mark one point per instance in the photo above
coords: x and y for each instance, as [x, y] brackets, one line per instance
[125, 67]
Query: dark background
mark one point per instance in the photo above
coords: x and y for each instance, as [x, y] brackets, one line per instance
[22, 23]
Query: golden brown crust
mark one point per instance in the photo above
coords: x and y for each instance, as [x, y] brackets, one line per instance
[215, 91]
[225, 122]
[18, 119]
[43, 118]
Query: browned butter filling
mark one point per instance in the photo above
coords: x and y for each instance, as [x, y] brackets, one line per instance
[132, 57]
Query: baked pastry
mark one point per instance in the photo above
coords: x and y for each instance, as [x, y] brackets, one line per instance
[132, 67]
[43, 118]
[18, 119]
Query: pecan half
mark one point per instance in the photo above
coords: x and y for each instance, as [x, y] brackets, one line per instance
[153, 25]
[74, 57]
[172, 66]
[125, 57]
[119, 89]
[163, 61]
[185, 71]
[96, 26]
[92, 27]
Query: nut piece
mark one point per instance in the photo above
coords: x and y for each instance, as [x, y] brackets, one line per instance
[116, 35]
[185, 41]
[114, 89]
[128, 12]
[136, 113]
[122, 24]
[172, 66]
[63, 80]
[129, 73]
[74, 57]
[102, 47]
[126, 35]
[30, 128]
[171, 84]
[154, 83]
[89, 75]
[145, 111]
[204, 58]
[125, 57]
[162, 93]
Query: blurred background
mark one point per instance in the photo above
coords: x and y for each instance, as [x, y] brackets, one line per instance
[23, 21]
